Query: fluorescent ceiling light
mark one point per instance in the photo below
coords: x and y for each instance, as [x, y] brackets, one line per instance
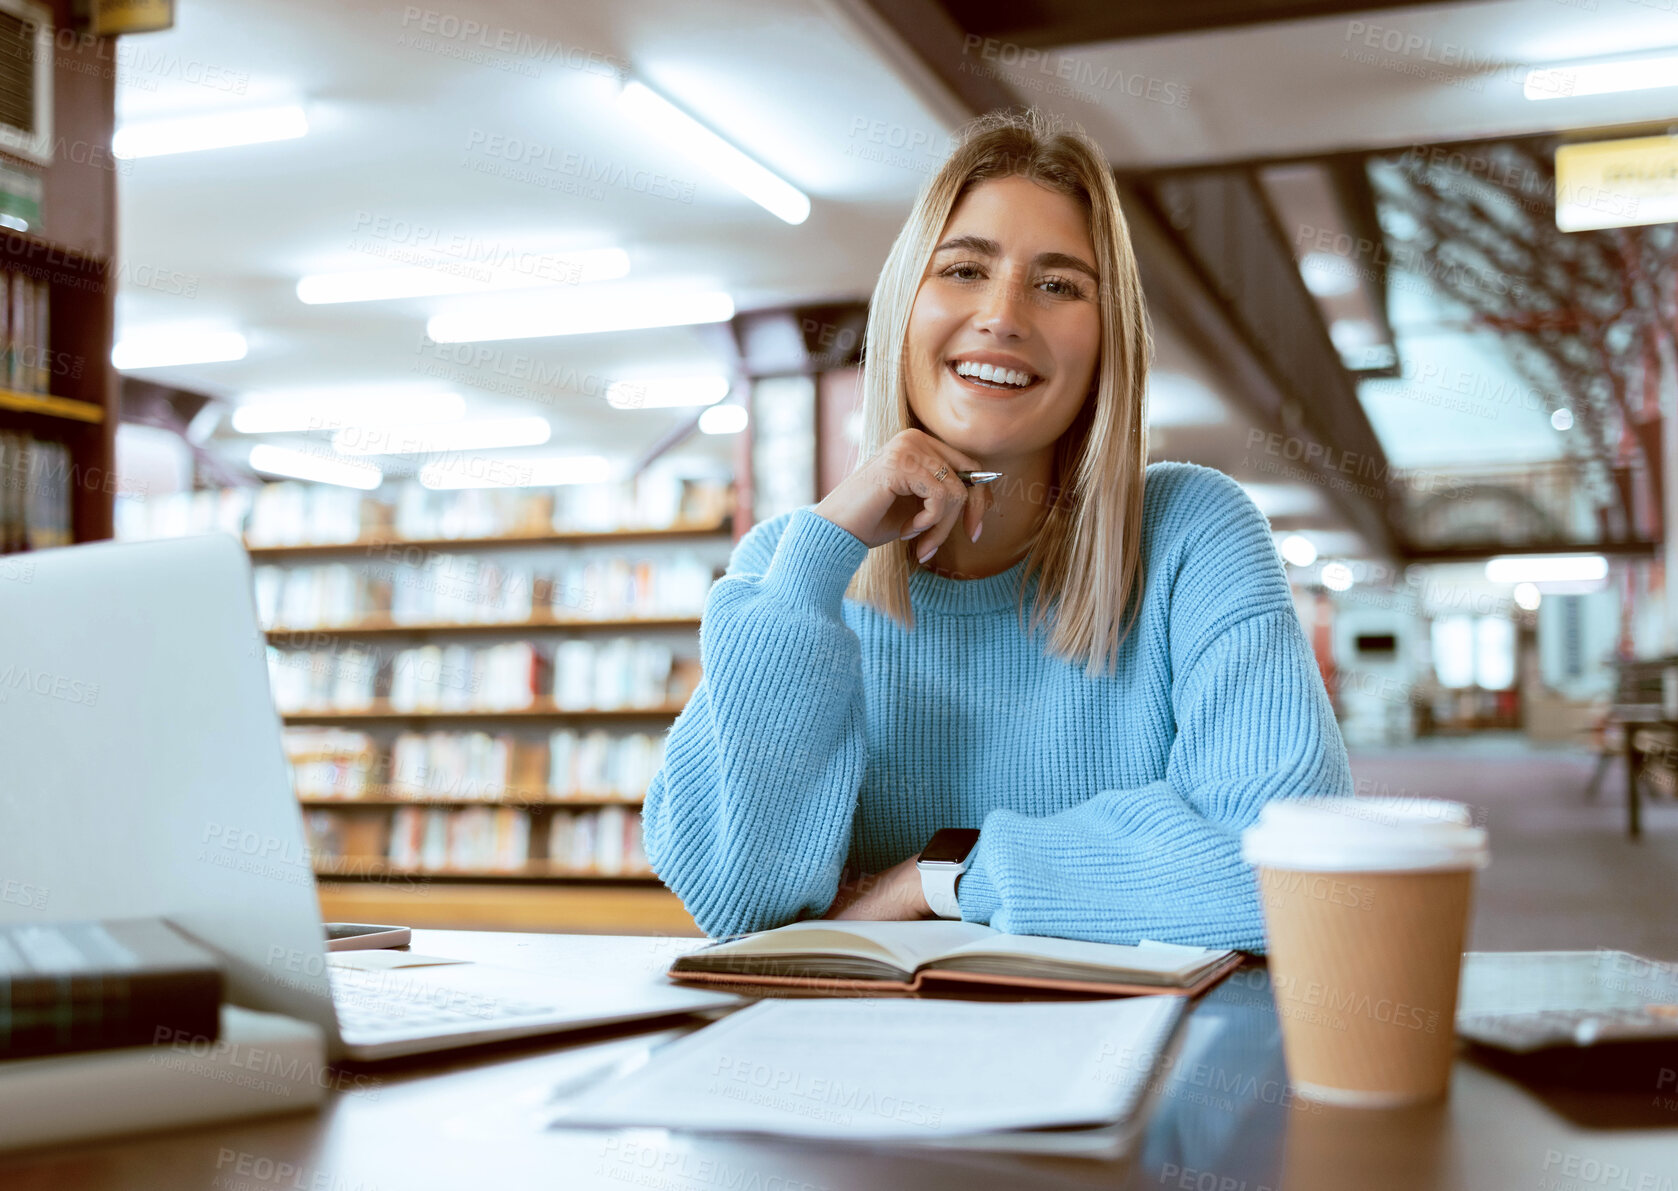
[1601, 78]
[527, 270]
[1298, 550]
[580, 314]
[723, 419]
[1282, 500]
[1547, 568]
[1337, 576]
[666, 392]
[301, 410]
[1327, 275]
[478, 472]
[167, 348]
[306, 465]
[481, 434]
[222, 130]
[708, 150]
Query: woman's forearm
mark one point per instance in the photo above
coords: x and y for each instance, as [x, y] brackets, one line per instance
[749, 818]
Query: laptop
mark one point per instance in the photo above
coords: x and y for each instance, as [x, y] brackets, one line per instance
[144, 776]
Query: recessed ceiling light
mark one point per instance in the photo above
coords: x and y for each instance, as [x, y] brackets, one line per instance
[1327, 275]
[1547, 568]
[579, 314]
[484, 272]
[723, 419]
[1298, 550]
[309, 465]
[726, 163]
[478, 471]
[1601, 78]
[333, 408]
[667, 392]
[480, 434]
[168, 347]
[219, 130]
[1337, 576]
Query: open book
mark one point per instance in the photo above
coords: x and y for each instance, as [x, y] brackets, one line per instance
[882, 958]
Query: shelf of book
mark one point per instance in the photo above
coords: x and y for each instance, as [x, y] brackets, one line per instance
[51, 407]
[618, 908]
[370, 547]
[543, 709]
[376, 868]
[518, 800]
[384, 626]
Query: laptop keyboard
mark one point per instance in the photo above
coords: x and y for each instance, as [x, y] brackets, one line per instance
[388, 1002]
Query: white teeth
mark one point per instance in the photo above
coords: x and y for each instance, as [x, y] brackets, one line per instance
[993, 374]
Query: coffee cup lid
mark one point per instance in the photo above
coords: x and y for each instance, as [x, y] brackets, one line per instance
[1364, 835]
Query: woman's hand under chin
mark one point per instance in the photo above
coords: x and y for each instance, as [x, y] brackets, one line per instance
[892, 896]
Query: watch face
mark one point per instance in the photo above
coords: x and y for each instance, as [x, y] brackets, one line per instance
[950, 846]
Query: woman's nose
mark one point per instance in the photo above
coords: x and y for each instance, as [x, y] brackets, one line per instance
[1005, 308]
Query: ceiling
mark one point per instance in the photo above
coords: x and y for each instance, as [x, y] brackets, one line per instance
[413, 119]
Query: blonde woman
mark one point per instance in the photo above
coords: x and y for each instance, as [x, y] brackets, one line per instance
[1084, 678]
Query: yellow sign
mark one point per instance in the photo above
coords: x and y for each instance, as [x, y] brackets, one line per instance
[1617, 183]
[108, 18]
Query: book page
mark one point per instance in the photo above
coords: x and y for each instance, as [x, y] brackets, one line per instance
[899, 1069]
[905, 944]
[1158, 958]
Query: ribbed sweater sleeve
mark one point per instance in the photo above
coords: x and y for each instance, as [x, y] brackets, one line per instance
[1253, 722]
[749, 819]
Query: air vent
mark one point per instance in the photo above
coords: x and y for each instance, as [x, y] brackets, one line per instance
[26, 48]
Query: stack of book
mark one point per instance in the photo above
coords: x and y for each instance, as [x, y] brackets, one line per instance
[24, 338]
[416, 839]
[35, 493]
[332, 763]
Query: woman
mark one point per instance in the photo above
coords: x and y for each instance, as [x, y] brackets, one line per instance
[870, 676]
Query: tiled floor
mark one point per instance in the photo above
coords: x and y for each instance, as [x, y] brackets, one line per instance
[1563, 873]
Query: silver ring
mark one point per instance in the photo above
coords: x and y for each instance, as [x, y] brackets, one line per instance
[942, 472]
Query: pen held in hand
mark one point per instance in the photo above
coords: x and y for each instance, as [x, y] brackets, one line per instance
[971, 478]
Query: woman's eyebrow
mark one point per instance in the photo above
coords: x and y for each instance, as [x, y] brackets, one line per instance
[986, 247]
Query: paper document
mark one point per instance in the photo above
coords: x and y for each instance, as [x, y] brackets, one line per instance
[903, 1070]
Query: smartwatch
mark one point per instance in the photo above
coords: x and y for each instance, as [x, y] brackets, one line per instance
[941, 864]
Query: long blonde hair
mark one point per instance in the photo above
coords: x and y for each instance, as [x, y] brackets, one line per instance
[1087, 552]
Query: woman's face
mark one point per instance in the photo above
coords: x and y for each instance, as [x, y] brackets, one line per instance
[1011, 283]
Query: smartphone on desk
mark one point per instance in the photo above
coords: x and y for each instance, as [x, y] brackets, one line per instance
[364, 936]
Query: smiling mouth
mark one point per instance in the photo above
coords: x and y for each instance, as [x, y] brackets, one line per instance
[988, 385]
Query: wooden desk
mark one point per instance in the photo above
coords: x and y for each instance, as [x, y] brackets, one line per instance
[1224, 1119]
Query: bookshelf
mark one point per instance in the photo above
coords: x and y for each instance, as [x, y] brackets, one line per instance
[58, 390]
[472, 717]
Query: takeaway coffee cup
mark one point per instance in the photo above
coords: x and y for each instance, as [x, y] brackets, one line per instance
[1365, 908]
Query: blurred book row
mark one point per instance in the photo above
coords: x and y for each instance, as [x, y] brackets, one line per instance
[461, 589]
[604, 842]
[578, 675]
[294, 514]
[24, 326]
[35, 493]
[507, 767]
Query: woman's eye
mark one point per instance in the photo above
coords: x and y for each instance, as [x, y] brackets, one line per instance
[1064, 287]
[970, 270]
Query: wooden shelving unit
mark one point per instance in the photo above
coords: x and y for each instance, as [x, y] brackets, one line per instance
[544, 709]
[386, 627]
[69, 251]
[51, 407]
[541, 894]
[368, 547]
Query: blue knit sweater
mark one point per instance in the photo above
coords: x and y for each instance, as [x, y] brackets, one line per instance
[1110, 809]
